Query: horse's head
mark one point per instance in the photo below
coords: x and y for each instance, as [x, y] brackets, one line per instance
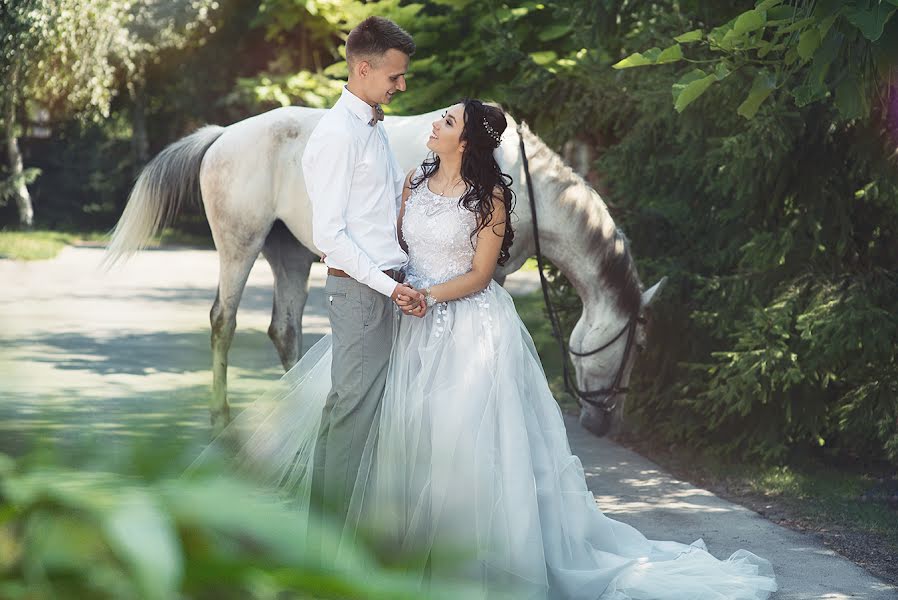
[603, 358]
[564, 218]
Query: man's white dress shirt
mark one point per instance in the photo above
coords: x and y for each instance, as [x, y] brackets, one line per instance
[355, 185]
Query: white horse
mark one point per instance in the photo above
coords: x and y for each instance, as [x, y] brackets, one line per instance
[248, 176]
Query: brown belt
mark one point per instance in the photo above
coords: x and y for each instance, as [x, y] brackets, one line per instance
[391, 273]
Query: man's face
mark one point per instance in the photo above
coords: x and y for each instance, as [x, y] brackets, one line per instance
[385, 76]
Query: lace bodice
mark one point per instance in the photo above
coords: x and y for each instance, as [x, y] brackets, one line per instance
[438, 234]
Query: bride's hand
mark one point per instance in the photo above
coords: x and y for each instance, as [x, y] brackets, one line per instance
[419, 311]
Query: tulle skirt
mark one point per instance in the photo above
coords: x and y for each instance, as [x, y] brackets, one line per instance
[467, 473]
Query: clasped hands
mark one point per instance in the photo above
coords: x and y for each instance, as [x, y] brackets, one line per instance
[409, 300]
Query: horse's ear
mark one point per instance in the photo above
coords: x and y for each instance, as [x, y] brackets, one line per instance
[649, 294]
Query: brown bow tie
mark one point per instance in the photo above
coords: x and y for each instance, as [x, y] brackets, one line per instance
[377, 115]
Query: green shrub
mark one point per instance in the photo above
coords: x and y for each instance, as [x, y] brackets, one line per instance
[93, 534]
[777, 330]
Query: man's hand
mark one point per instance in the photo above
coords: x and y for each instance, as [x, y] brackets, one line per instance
[407, 298]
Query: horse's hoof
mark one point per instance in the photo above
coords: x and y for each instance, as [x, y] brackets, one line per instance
[596, 422]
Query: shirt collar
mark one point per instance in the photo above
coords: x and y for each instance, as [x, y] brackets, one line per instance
[356, 105]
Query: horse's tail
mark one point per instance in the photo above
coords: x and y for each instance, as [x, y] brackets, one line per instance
[168, 181]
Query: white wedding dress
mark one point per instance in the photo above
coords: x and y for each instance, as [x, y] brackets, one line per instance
[468, 466]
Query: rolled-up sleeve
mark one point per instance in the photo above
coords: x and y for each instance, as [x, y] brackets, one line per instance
[328, 163]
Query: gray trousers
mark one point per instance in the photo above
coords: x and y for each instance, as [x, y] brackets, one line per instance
[361, 323]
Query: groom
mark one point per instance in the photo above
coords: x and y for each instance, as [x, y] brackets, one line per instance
[355, 186]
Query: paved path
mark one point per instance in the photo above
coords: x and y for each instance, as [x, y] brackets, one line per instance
[97, 359]
[632, 489]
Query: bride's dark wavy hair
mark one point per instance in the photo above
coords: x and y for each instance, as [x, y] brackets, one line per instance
[480, 171]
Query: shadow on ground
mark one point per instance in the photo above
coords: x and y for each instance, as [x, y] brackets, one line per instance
[75, 394]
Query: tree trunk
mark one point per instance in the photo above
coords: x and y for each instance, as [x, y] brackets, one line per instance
[140, 144]
[17, 170]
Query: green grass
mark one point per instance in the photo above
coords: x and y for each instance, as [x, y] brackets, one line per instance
[39, 244]
[825, 494]
[530, 265]
[43, 244]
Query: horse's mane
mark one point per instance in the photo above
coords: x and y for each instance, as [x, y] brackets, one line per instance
[591, 220]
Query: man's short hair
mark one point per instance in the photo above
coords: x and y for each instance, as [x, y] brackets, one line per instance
[371, 39]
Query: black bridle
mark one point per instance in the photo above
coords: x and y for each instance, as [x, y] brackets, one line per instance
[604, 398]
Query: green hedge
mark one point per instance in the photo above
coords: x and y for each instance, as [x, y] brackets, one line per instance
[777, 331]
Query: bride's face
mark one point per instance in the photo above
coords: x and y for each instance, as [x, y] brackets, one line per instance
[445, 136]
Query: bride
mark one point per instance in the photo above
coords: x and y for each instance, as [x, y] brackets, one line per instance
[467, 472]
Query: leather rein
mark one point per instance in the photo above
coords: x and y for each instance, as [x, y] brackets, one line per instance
[603, 398]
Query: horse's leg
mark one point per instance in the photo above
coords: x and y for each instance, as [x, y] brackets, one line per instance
[290, 263]
[235, 264]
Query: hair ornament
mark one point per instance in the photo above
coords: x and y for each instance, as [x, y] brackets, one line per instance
[497, 137]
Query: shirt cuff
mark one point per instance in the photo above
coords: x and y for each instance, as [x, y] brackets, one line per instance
[383, 283]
